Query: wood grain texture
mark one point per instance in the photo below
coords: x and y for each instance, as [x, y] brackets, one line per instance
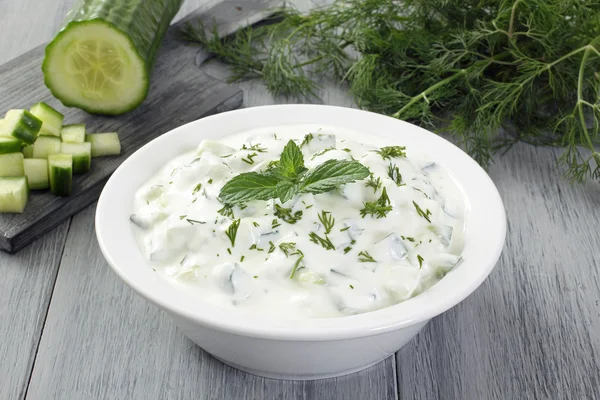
[182, 94]
[532, 329]
[25, 290]
[102, 341]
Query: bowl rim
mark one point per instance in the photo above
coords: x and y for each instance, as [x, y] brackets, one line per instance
[484, 235]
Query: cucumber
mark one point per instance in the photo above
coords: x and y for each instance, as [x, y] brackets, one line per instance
[60, 172]
[11, 164]
[14, 194]
[82, 155]
[74, 133]
[9, 145]
[36, 171]
[28, 151]
[22, 125]
[102, 59]
[51, 119]
[46, 145]
[104, 144]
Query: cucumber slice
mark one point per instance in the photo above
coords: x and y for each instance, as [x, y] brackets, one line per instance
[104, 144]
[74, 133]
[102, 59]
[60, 172]
[51, 119]
[22, 125]
[82, 155]
[27, 151]
[11, 164]
[14, 194]
[46, 145]
[9, 145]
[36, 171]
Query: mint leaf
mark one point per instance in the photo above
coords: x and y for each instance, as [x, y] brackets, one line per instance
[286, 190]
[291, 162]
[331, 174]
[249, 186]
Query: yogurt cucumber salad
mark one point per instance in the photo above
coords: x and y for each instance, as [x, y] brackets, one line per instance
[301, 222]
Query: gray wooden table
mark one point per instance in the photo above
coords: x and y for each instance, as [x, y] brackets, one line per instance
[69, 329]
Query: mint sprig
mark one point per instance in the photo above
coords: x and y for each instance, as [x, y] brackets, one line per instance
[289, 177]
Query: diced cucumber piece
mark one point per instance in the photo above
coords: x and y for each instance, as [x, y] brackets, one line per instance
[104, 144]
[14, 194]
[102, 58]
[28, 151]
[60, 172]
[36, 170]
[51, 119]
[9, 145]
[82, 155]
[22, 125]
[11, 164]
[74, 133]
[45, 146]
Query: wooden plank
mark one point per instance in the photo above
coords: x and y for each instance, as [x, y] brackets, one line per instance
[102, 341]
[531, 330]
[25, 290]
[182, 94]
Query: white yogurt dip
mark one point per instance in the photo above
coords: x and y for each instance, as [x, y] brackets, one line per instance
[360, 247]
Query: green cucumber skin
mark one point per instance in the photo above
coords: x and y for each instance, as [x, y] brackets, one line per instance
[81, 163]
[134, 18]
[10, 146]
[61, 180]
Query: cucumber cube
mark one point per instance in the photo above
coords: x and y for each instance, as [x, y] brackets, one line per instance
[11, 164]
[36, 170]
[22, 125]
[51, 119]
[14, 194]
[82, 155]
[74, 133]
[60, 172]
[27, 151]
[9, 145]
[104, 144]
[45, 146]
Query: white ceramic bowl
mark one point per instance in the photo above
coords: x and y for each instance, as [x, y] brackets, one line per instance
[309, 348]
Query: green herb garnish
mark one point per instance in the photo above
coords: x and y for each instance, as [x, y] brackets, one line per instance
[226, 211]
[271, 247]
[289, 177]
[391, 152]
[287, 215]
[420, 261]
[327, 220]
[194, 221]
[231, 232]
[287, 248]
[307, 138]
[197, 188]
[249, 158]
[320, 153]
[424, 214]
[364, 256]
[254, 147]
[373, 183]
[324, 242]
[395, 175]
[379, 208]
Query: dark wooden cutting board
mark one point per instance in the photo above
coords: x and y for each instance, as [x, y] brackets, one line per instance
[180, 92]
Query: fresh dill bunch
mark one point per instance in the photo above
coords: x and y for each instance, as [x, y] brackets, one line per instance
[492, 73]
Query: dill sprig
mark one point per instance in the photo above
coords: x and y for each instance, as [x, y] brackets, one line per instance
[324, 242]
[231, 232]
[379, 208]
[227, 211]
[287, 215]
[327, 220]
[424, 214]
[364, 256]
[395, 175]
[492, 73]
[373, 183]
[391, 152]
